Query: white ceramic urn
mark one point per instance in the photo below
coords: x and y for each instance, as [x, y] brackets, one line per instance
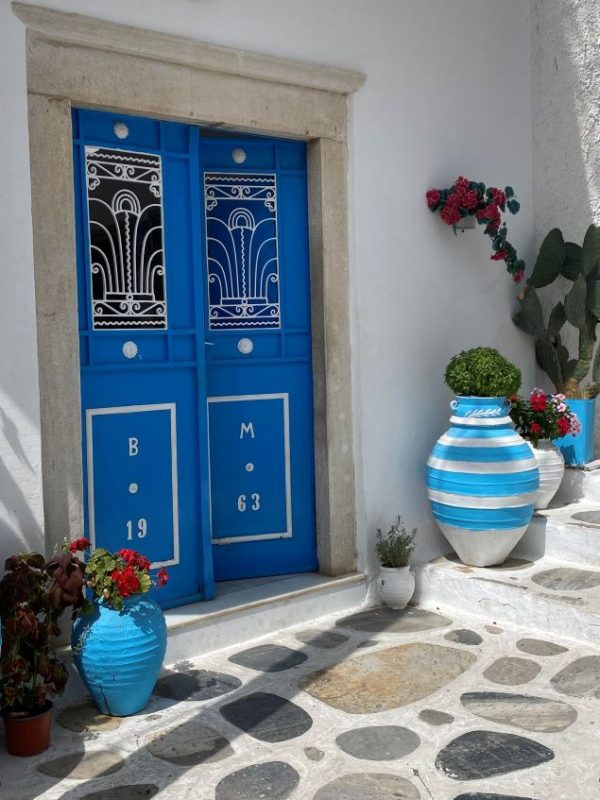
[551, 465]
[396, 586]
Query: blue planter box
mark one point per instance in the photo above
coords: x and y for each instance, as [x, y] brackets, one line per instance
[579, 450]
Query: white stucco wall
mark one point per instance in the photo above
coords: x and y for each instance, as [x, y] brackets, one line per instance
[565, 80]
[448, 92]
[21, 516]
[566, 116]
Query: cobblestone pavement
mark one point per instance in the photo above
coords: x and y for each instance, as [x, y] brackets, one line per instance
[380, 705]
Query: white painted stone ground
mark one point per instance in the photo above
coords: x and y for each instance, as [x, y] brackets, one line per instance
[398, 758]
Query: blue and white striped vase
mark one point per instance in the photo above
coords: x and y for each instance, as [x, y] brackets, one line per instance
[482, 481]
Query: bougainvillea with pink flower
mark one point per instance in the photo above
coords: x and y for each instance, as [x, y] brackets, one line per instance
[543, 416]
[466, 198]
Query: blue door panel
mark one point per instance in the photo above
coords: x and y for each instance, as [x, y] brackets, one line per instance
[133, 479]
[145, 438]
[259, 358]
[249, 466]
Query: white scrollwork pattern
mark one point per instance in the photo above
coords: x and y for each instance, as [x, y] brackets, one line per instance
[127, 268]
[241, 241]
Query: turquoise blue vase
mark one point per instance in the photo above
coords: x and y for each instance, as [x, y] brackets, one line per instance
[579, 450]
[119, 653]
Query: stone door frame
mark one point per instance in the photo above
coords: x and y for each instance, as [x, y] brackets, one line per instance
[78, 60]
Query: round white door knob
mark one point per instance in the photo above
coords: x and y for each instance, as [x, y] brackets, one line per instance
[245, 346]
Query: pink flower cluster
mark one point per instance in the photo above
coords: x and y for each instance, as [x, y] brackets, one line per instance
[543, 416]
[468, 198]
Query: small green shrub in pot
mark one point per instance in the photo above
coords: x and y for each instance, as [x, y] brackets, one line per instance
[482, 372]
[479, 459]
[396, 582]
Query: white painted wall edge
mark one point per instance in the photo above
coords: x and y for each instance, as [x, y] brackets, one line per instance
[87, 31]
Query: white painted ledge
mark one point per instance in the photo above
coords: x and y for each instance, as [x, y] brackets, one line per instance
[58, 26]
[239, 597]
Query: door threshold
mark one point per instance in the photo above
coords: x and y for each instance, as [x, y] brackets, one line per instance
[236, 597]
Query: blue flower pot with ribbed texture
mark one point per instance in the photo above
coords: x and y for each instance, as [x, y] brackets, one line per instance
[482, 480]
[579, 450]
[119, 653]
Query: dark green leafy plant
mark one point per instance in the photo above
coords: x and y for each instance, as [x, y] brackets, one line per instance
[482, 372]
[33, 595]
[395, 548]
[580, 308]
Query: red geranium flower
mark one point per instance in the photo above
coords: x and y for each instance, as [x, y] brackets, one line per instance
[134, 559]
[563, 425]
[538, 401]
[79, 545]
[127, 581]
[535, 428]
[162, 576]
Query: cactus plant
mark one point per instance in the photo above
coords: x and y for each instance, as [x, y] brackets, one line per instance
[580, 308]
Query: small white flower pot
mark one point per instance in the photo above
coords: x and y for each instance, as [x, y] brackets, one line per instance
[396, 585]
[552, 468]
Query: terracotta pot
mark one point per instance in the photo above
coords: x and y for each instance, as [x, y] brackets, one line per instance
[29, 734]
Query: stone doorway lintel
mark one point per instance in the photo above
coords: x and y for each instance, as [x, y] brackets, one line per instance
[74, 60]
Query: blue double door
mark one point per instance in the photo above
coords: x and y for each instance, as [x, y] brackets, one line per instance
[194, 321]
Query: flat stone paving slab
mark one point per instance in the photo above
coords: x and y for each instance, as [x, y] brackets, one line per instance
[314, 754]
[378, 742]
[83, 766]
[136, 791]
[370, 786]
[464, 636]
[271, 780]
[388, 678]
[521, 711]
[189, 744]
[511, 671]
[540, 647]
[388, 620]
[433, 717]
[269, 658]
[567, 579]
[195, 685]
[86, 718]
[486, 754]
[479, 796]
[267, 717]
[579, 679]
[325, 640]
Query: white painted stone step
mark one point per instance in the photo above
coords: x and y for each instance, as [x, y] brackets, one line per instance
[559, 534]
[580, 485]
[243, 610]
[510, 596]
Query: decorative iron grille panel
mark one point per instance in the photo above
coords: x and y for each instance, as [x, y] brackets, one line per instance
[127, 267]
[241, 243]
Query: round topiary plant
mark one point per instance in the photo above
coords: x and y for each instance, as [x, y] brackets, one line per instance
[482, 372]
